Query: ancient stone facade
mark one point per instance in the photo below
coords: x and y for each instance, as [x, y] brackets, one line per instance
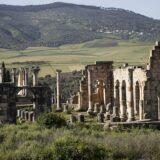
[132, 92]
[11, 92]
[96, 86]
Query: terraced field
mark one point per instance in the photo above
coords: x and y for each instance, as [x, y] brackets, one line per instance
[74, 57]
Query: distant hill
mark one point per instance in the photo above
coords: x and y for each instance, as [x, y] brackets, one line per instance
[61, 23]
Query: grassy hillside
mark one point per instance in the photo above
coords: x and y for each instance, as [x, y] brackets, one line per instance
[60, 23]
[74, 57]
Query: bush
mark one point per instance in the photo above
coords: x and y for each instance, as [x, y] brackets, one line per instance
[74, 149]
[49, 120]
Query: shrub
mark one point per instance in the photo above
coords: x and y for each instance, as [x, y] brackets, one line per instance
[49, 120]
[74, 149]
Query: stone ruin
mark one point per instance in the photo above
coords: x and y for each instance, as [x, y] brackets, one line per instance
[124, 94]
[13, 93]
[127, 93]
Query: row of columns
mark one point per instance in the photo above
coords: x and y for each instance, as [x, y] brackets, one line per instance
[23, 81]
[125, 99]
[23, 76]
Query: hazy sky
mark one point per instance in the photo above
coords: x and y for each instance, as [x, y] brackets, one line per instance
[149, 8]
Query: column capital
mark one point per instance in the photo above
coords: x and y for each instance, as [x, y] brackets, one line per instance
[14, 69]
[35, 69]
[58, 71]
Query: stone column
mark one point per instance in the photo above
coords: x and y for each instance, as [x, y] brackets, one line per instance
[158, 107]
[122, 105]
[35, 71]
[89, 92]
[1, 75]
[104, 94]
[141, 110]
[135, 100]
[13, 74]
[20, 81]
[58, 90]
[26, 77]
[19, 77]
[25, 80]
[116, 96]
[79, 101]
[130, 106]
[141, 103]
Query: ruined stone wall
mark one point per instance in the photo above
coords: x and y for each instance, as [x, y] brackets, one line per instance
[96, 85]
[152, 90]
[7, 103]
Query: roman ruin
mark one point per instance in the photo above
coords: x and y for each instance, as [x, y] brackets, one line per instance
[127, 93]
[14, 88]
[123, 94]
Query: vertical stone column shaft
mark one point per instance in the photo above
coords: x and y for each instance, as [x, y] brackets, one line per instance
[79, 100]
[26, 77]
[25, 80]
[58, 89]
[104, 94]
[89, 90]
[13, 73]
[141, 110]
[158, 107]
[130, 96]
[122, 105]
[35, 71]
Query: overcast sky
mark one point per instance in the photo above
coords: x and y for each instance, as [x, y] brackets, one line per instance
[149, 8]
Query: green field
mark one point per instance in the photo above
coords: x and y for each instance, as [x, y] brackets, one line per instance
[75, 57]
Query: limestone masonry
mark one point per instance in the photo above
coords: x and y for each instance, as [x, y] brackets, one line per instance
[127, 93]
[13, 95]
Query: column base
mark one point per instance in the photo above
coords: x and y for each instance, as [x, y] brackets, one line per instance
[58, 110]
[123, 119]
[90, 112]
[130, 119]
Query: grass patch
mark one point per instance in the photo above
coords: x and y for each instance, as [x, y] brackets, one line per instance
[88, 141]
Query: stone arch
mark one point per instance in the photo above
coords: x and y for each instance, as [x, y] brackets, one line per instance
[41, 98]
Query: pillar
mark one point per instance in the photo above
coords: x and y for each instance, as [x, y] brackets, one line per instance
[25, 80]
[58, 89]
[141, 110]
[122, 105]
[79, 101]
[89, 92]
[26, 76]
[158, 107]
[104, 94]
[35, 71]
[135, 99]
[19, 77]
[129, 94]
[116, 95]
[13, 74]
[20, 81]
